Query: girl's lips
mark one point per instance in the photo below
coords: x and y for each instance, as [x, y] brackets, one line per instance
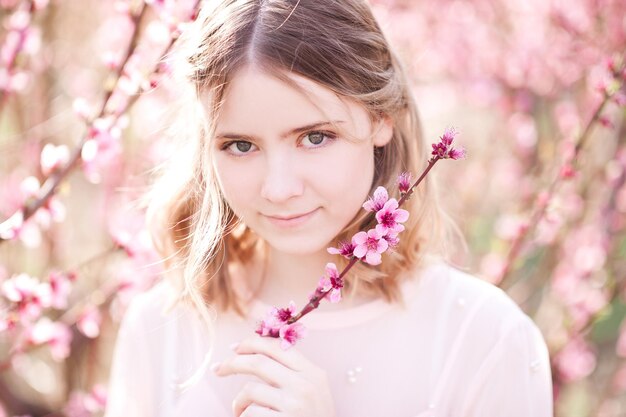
[292, 222]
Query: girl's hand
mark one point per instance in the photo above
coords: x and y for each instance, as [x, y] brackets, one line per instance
[292, 387]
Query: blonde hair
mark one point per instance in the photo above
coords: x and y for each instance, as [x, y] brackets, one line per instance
[337, 44]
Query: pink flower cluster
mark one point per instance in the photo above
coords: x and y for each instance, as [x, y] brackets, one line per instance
[368, 246]
[83, 403]
[364, 246]
[29, 230]
[444, 149]
[27, 297]
[276, 325]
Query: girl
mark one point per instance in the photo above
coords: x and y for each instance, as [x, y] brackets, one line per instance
[300, 110]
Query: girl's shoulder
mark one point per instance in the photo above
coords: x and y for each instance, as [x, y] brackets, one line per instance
[470, 301]
[153, 311]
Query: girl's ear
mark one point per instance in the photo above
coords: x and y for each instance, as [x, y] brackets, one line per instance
[383, 131]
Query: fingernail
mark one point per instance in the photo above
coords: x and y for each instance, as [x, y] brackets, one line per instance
[214, 366]
[234, 346]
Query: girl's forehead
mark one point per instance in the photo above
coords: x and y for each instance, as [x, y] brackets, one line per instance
[260, 97]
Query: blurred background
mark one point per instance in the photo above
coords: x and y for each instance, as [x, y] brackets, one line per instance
[535, 88]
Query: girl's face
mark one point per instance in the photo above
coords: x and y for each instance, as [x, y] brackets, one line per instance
[283, 169]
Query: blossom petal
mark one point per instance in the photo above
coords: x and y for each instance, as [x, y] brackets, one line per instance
[360, 251]
[359, 238]
[382, 229]
[401, 215]
[383, 245]
[391, 205]
[373, 258]
[381, 194]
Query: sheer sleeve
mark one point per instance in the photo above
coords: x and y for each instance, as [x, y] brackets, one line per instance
[515, 379]
[132, 389]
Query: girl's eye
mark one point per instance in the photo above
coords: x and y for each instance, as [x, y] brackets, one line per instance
[238, 147]
[317, 137]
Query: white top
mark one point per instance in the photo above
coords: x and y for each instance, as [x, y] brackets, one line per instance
[461, 348]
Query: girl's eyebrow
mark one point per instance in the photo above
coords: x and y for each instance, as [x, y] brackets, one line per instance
[285, 135]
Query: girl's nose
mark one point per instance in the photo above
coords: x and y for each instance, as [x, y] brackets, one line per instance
[281, 182]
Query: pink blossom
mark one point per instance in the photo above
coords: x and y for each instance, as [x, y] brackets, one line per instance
[370, 245]
[9, 322]
[284, 314]
[602, 87]
[392, 239]
[98, 397]
[610, 64]
[83, 404]
[11, 227]
[576, 360]
[29, 231]
[56, 334]
[276, 318]
[390, 217]
[266, 328]
[82, 108]
[20, 288]
[606, 122]
[158, 32]
[111, 59]
[29, 187]
[52, 210]
[53, 157]
[76, 405]
[29, 294]
[378, 201]
[404, 182]
[29, 234]
[60, 288]
[346, 249]
[457, 153]
[290, 334]
[89, 322]
[444, 149]
[102, 150]
[332, 280]
[567, 171]
[448, 136]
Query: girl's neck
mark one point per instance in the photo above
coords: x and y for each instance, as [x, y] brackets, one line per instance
[276, 278]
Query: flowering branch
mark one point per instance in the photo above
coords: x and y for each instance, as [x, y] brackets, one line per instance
[9, 228]
[14, 43]
[618, 73]
[364, 246]
[29, 298]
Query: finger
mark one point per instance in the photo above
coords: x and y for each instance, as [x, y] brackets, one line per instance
[259, 365]
[269, 346]
[259, 411]
[259, 394]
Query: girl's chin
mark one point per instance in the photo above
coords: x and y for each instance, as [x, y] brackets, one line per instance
[293, 247]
